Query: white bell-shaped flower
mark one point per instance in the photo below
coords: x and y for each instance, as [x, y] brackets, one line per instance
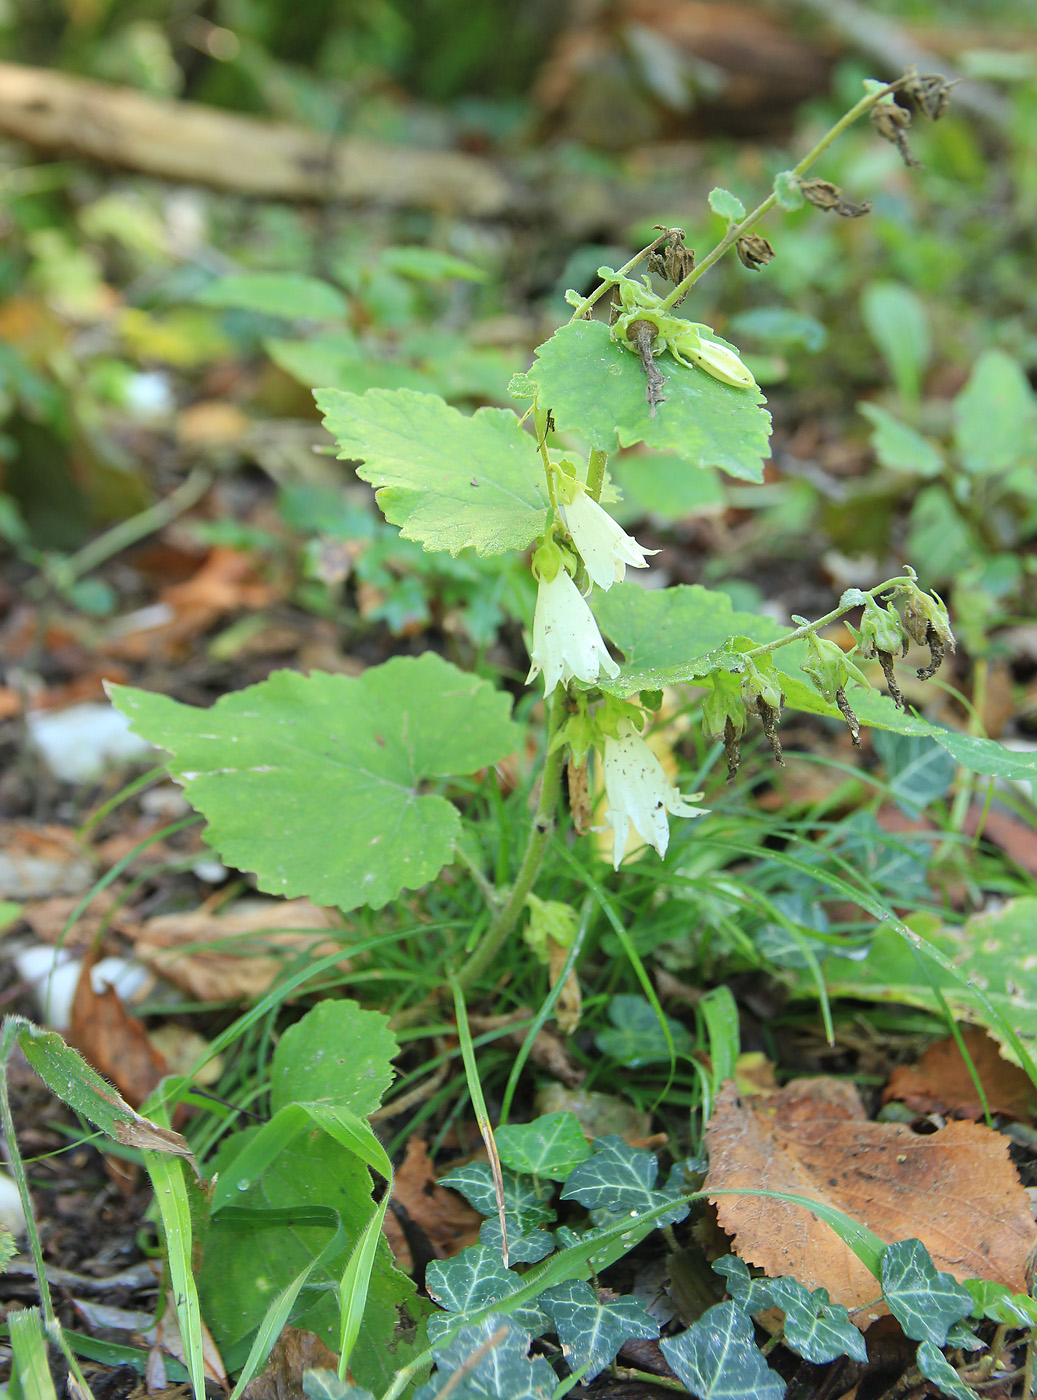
[566, 642]
[604, 547]
[639, 792]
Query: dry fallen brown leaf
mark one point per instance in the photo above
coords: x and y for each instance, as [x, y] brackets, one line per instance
[448, 1222]
[113, 1040]
[955, 1189]
[940, 1082]
[37, 862]
[295, 1351]
[267, 932]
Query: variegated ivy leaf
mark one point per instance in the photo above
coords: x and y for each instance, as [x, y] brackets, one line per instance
[527, 1248]
[717, 1358]
[925, 1301]
[935, 1367]
[621, 1179]
[548, 1147]
[592, 1331]
[471, 1280]
[502, 1370]
[816, 1328]
[522, 1198]
[751, 1294]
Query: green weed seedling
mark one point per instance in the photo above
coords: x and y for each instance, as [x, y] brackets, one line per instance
[352, 790]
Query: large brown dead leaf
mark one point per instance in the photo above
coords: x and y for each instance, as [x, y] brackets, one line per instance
[448, 1222]
[940, 1082]
[263, 935]
[294, 1352]
[955, 1189]
[113, 1040]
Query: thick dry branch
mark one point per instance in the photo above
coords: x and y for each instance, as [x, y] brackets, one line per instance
[202, 145]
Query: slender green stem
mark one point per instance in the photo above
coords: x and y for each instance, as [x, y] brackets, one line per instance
[833, 616]
[596, 473]
[628, 267]
[540, 832]
[753, 218]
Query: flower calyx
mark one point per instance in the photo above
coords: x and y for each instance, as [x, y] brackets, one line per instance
[822, 194]
[754, 251]
[927, 622]
[928, 94]
[880, 634]
[724, 716]
[673, 261]
[763, 696]
[830, 670]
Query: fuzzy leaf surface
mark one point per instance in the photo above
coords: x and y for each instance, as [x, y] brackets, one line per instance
[314, 782]
[448, 480]
[548, 1147]
[591, 1331]
[596, 389]
[925, 1301]
[717, 1358]
[620, 1179]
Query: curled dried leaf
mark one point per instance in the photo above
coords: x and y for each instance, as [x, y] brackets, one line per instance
[892, 123]
[822, 194]
[848, 715]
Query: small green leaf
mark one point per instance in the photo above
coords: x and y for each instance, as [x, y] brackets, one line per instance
[925, 1301]
[503, 1370]
[753, 1295]
[620, 1179]
[591, 1331]
[896, 320]
[717, 1358]
[727, 205]
[994, 415]
[522, 1198]
[450, 481]
[899, 447]
[471, 1280]
[520, 386]
[338, 1053]
[935, 1367]
[549, 1147]
[997, 1302]
[522, 1248]
[638, 1038]
[288, 294]
[917, 770]
[596, 389]
[781, 326]
[315, 782]
[428, 264]
[816, 1328]
[788, 191]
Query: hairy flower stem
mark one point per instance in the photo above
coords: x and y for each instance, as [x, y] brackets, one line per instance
[833, 616]
[596, 473]
[540, 833]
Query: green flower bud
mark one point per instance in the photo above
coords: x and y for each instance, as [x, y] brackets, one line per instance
[549, 559]
[549, 919]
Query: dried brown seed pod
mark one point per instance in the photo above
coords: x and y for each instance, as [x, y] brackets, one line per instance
[769, 717]
[928, 94]
[892, 122]
[753, 251]
[886, 662]
[822, 194]
[732, 749]
[852, 722]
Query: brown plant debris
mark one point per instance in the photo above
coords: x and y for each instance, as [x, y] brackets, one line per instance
[940, 1082]
[954, 1189]
[448, 1222]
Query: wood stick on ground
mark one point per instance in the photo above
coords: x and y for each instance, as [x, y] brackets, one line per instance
[190, 142]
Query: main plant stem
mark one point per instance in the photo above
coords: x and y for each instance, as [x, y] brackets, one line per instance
[540, 833]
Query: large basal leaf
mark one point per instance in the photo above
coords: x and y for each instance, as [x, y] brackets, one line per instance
[337, 1053]
[994, 952]
[249, 1260]
[668, 636]
[596, 389]
[590, 1330]
[314, 782]
[717, 1358]
[448, 480]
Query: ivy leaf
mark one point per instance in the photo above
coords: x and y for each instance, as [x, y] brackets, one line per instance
[503, 1370]
[522, 1200]
[652, 629]
[619, 1179]
[935, 1367]
[1000, 1304]
[315, 782]
[638, 1037]
[917, 770]
[591, 1331]
[727, 205]
[596, 389]
[450, 481]
[753, 1295]
[318, 1384]
[471, 1280]
[522, 1248]
[816, 1328]
[338, 1053]
[291, 295]
[717, 1358]
[548, 1147]
[925, 1301]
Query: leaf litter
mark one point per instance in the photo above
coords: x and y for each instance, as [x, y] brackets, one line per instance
[955, 1190]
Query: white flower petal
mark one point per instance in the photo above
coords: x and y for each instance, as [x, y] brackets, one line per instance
[566, 642]
[639, 792]
[604, 547]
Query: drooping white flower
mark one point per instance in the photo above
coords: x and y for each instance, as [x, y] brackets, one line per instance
[639, 792]
[604, 547]
[566, 640]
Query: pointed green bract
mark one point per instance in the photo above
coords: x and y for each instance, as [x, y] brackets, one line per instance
[314, 782]
[596, 389]
[450, 481]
